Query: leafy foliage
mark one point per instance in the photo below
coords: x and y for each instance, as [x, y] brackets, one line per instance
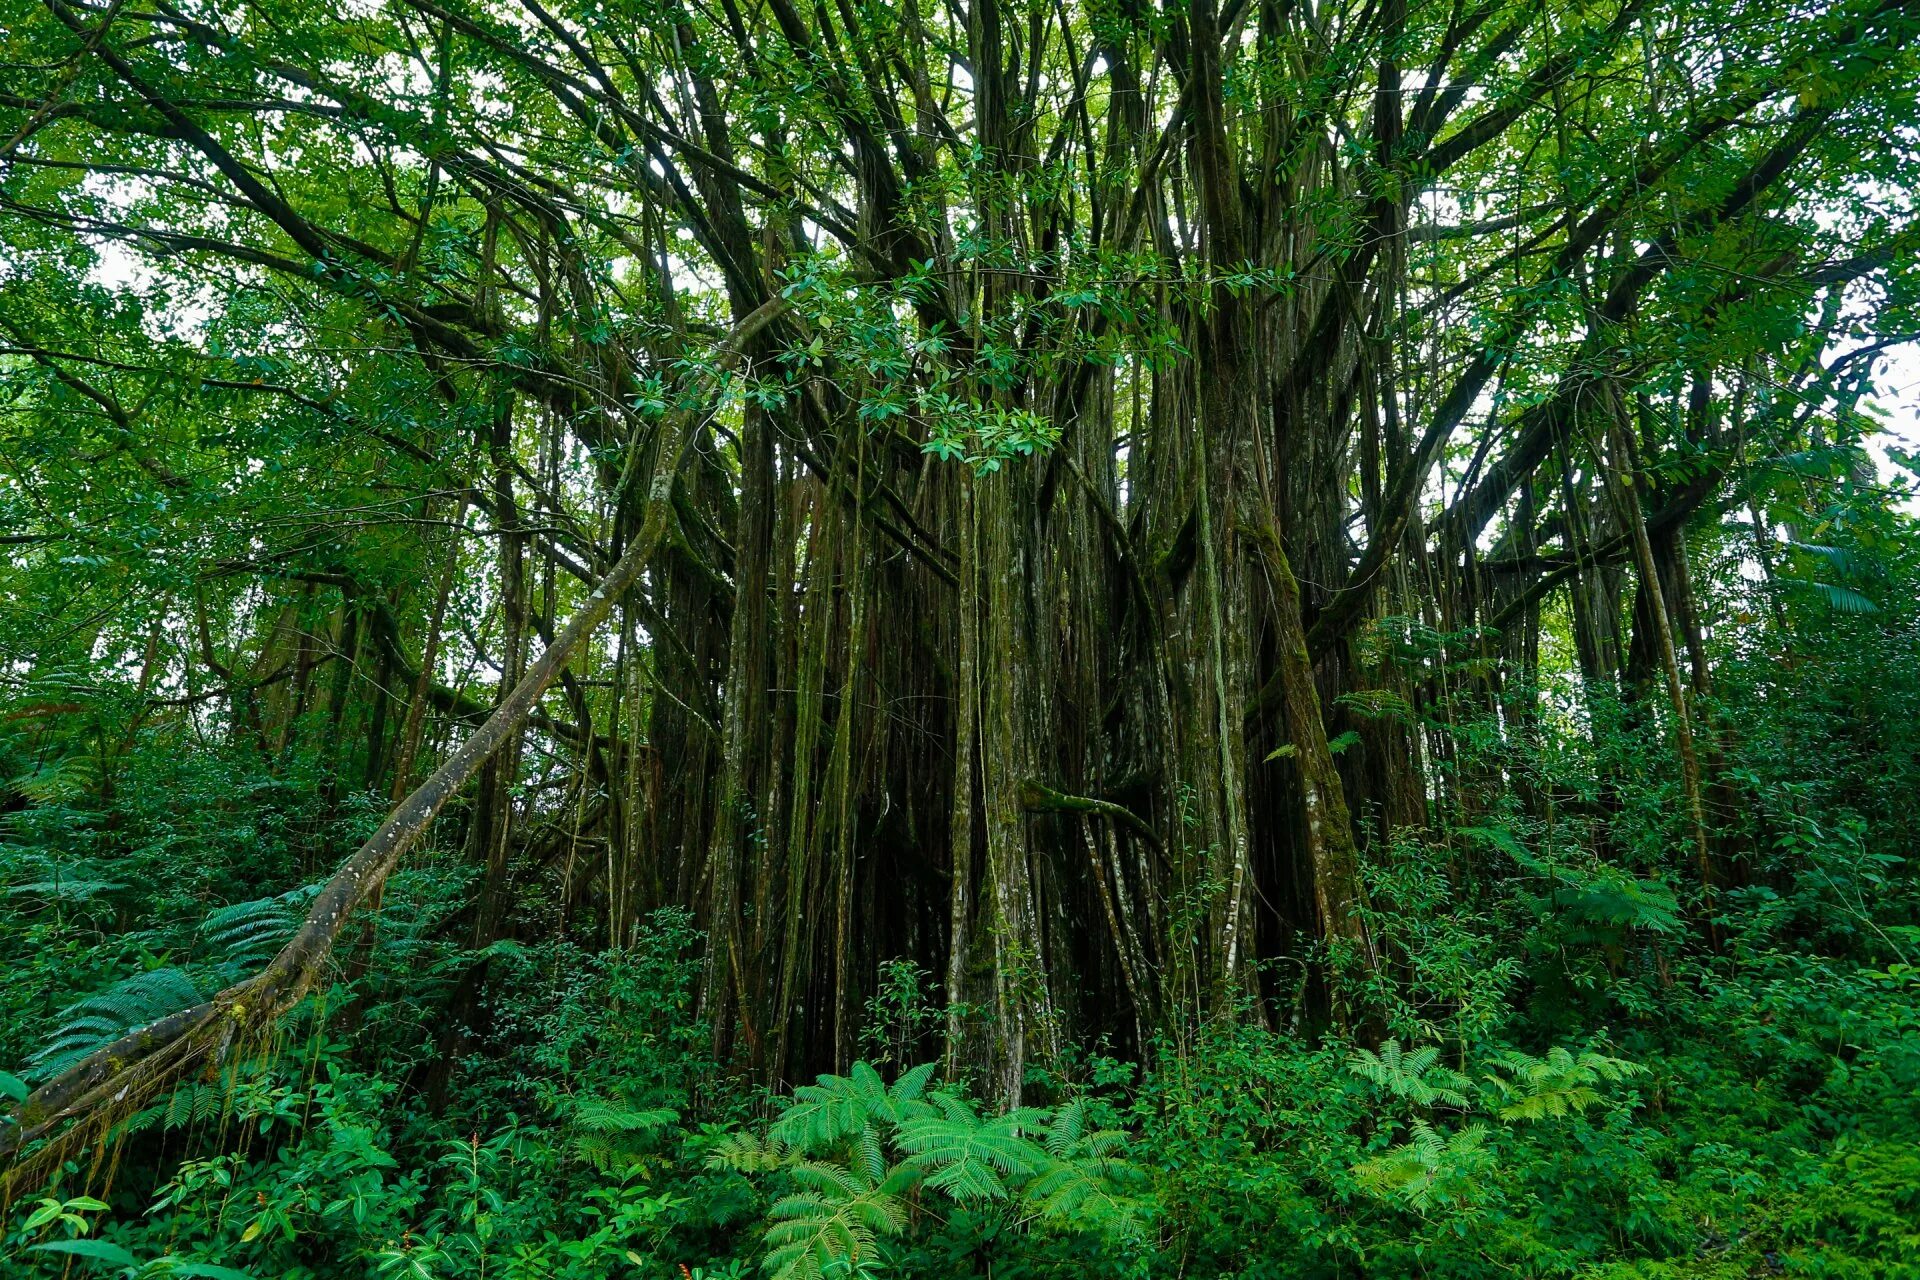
[246, 934]
[1320, 602]
[1415, 1075]
[857, 1150]
[1560, 1084]
[106, 1016]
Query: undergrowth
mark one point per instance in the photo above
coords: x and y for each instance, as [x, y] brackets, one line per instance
[1560, 1077]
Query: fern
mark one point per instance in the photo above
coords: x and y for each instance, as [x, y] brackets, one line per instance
[1613, 900]
[1080, 1183]
[189, 1104]
[106, 1016]
[1080, 1193]
[1412, 1074]
[1593, 903]
[835, 1139]
[1067, 1129]
[832, 1224]
[1560, 1084]
[605, 1130]
[599, 1115]
[247, 934]
[747, 1153]
[834, 1108]
[1430, 1168]
[64, 890]
[971, 1159]
[59, 781]
[837, 1108]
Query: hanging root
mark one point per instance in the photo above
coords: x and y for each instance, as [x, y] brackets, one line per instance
[123, 1077]
[130, 1071]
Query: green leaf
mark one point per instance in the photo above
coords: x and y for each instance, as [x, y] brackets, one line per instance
[1843, 599]
[171, 1266]
[97, 1250]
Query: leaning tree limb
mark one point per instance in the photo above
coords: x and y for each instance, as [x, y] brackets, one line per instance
[139, 1064]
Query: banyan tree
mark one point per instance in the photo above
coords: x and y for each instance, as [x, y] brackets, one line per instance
[1009, 487]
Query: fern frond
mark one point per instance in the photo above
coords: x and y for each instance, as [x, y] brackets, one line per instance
[954, 1108]
[59, 781]
[1559, 1084]
[249, 933]
[1068, 1127]
[1079, 1187]
[192, 1104]
[973, 1160]
[831, 1110]
[603, 1115]
[1079, 1193]
[746, 1153]
[831, 1226]
[910, 1087]
[64, 890]
[1429, 1168]
[600, 1154]
[1413, 1075]
[606, 1129]
[107, 1015]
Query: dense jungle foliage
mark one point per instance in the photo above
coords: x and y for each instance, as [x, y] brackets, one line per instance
[923, 638]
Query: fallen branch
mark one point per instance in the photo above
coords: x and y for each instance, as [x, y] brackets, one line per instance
[141, 1063]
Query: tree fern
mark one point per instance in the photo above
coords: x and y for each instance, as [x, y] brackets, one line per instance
[64, 890]
[1430, 1168]
[1592, 902]
[838, 1108]
[747, 1153]
[969, 1158]
[606, 1131]
[1560, 1084]
[832, 1224]
[1080, 1193]
[835, 1140]
[247, 934]
[1613, 900]
[1080, 1183]
[110, 1014]
[61, 780]
[832, 1109]
[1071, 1137]
[1413, 1074]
